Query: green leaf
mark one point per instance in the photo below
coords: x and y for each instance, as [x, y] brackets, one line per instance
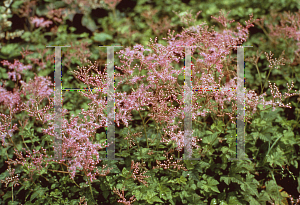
[223, 203]
[13, 203]
[26, 36]
[88, 22]
[35, 194]
[164, 192]
[101, 37]
[138, 195]
[253, 201]
[215, 189]
[16, 4]
[123, 29]
[10, 49]
[194, 186]
[251, 185]
[53, 186]
[120, 186]
[155, 199]
[210, 138]
[7, 195]
[151, 198]
[225, 179]
[213, 202]
[181, 180]
[189, 164]
[233, 200]
[211, 181]
[124, 172]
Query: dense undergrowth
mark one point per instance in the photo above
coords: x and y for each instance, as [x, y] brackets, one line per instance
[149, 104]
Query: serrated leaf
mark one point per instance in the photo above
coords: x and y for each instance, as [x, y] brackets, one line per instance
[120, 186]
[138, 195]
[225, 179]
[155, 199]
[124, 172]
[233, 201]
[211, 181]
[181, 180]
[253, 201]
[150, 197]
[194, 175]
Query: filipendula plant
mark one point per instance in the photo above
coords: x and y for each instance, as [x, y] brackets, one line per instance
[150, 173]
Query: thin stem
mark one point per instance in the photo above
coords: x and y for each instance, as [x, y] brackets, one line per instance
[91, 190]
[144, 125]
[148, 120]
[114, 14]
[58, 171]
[134, 138]
[268, 75]
[259, 78]
[23, 137]
[158, 132]
[44, 178]
[63, 171]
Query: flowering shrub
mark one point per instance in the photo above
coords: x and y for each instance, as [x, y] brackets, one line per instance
[150, 91]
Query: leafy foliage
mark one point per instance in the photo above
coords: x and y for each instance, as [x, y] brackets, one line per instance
[148, 135]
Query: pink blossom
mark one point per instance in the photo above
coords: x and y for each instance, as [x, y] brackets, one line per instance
[17, 68]
[40, 22]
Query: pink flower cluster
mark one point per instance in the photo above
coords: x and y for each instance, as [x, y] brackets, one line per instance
[122, 196]
[167, 164]
[37, 160]
[289, 27]
[17, 68]
[12, 178]
[40, 22]
[137, 167]
[81, 152]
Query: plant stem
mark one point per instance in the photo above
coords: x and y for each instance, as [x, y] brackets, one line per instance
[267, 77]
[91, 191]
[259, 77]
[22, 135]
[134, 138]
[158, 132]
[144, 129]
